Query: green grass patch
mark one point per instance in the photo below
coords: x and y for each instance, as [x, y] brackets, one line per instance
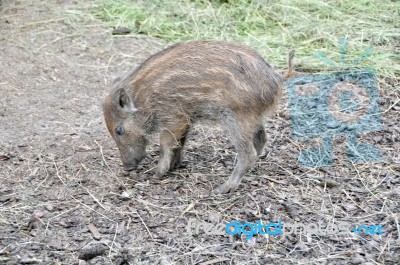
[273, 27]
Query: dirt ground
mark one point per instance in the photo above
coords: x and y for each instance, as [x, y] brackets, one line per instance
[64, 199]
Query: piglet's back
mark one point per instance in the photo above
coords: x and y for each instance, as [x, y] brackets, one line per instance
[218, 74]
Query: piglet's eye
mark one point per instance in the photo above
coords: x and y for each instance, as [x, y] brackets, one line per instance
[119, 130]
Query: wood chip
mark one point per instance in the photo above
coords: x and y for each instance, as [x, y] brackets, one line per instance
[92, 251]
[34, 171]
[121, 31]
[95, 232]
[4, 157]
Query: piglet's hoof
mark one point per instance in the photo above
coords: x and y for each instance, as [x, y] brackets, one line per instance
[225, 188]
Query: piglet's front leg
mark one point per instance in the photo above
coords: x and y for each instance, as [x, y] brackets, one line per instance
[171, 143]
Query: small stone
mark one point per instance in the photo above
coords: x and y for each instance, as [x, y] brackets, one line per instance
[49, 207]
[214, 217]
[126, 195]
[38, 213]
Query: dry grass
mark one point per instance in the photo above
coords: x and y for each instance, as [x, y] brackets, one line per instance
[273, 27]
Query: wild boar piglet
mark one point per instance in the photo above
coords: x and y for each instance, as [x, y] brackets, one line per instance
[189, 82]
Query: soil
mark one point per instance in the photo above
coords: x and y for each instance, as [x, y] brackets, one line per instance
[65, 200]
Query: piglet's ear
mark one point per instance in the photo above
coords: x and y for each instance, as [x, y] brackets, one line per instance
[125, 101]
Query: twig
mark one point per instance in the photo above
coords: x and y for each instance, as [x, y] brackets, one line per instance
[42, 22]
[190, 206]
[105, 162]
[213, 261]
[94, 198]
[148, 231]
[113, 242]
[391, 106]
[273, 180]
